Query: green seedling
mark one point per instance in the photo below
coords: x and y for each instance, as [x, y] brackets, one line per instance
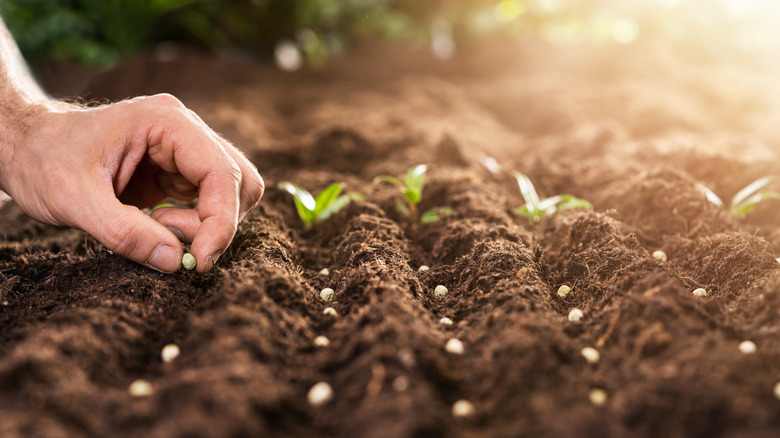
[315, 210]
[411, 188]
[747, 199]
[535, 208]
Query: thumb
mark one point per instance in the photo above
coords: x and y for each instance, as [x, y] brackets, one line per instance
[129, 232]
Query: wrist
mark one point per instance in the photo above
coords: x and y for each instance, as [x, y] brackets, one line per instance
[17, 120]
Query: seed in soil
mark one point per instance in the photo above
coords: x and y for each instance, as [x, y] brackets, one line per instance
[598, 396]
[188, 261]
[330, 311]
[321, 341]
[462, 409]
[591, 355]
[777, 390]
[445, 321]
[140, 388]
[440, 291]
[700, 292]
[320, 394]
[747, 347]
[324, 272]
[400, 384]
[454, 346]
[327, 294]
[575, 314]
[659, 255]
[424, 268]
[563, 291]
[169, 353]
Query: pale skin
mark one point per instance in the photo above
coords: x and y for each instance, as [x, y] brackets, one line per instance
[95, 169]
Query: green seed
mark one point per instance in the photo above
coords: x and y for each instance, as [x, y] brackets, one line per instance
[659, 255]
[563, 291]
[188, 261]
[700, 292]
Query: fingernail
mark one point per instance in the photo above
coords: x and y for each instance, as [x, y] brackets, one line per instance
[165, 258]
[214, 257]
[177, 232]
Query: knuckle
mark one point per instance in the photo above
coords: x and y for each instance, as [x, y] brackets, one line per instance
[166, 99]
[122, 237]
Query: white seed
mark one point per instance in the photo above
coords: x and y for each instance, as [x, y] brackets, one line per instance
[778, 260]
[591, 355]
[401, 383]
[659, 255]
[188, 261]
[321, 341]
[424, 268]
[140, 388]
[563, 291]
[169, 353]
[440, 290]
[575, 314]
[324, 272]
[700, 292]
[327, 294]
[320, 394]
[462, 409]
[445, 321]
[777, 390]
[747, 347]
[330, 311]
[454, 346]
[598, 396]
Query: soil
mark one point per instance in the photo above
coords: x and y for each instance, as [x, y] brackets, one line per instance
[633, 130]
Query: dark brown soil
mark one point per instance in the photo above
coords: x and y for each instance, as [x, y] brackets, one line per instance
[631, 131]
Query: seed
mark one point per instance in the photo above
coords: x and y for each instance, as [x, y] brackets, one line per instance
[400, 383]
[454, 346]
[747, 347]
[406, 357]
[462, 409]
[321, 341]
[424, 268]
[575, 315]
[563, 291]
[777, 390]
[140, 388]
[659, 255]
[440, 290]
[445, 321]
[700, 292]
[591, 355]
[327, 294]
[330, 311]
[169, 353]
[598, 396]
[188, 261]
[324, 272]
[320, 394]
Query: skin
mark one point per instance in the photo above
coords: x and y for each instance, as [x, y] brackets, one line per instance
[95, 168]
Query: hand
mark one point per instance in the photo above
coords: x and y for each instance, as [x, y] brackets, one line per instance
[93, 168]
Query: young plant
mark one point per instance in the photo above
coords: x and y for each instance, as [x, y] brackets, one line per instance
[747, 199]
[535, 209]
[315, 210]
[411, 188]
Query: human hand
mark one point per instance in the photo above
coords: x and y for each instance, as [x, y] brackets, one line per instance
[94, 168]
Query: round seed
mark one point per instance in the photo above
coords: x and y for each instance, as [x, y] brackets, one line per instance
[445, 321]
[327, 294]
[440, 290]
[591, 355]
[598, 396]
[330, 311]
[321, 341]
[463, 409]
[700, 292]
[454, 346]
[320, 394]
[563, 291]
[188, 261]
[575, 314]
[324, 272]
[659, 255]
[777, 390]
[747, 347]
[424, 268]
[169, 353]
[140, 388]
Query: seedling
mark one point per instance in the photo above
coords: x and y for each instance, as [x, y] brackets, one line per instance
[315, 210]
[747, 199]
[411, 188]
[535, 208]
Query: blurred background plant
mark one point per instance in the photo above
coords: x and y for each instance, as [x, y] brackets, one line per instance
[98, 33]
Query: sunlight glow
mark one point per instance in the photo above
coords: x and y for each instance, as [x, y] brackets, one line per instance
[624, 31]
[508, 10]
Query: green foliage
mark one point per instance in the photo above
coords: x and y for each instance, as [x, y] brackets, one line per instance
[747, 199]
[315, 210]
[411, 188]
[535, 208]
